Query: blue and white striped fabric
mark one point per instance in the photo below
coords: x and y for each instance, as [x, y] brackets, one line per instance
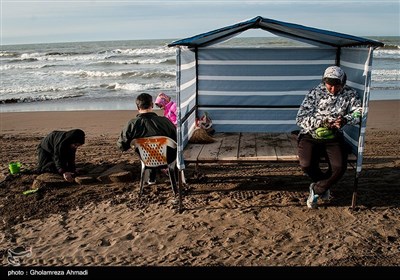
[261, 89]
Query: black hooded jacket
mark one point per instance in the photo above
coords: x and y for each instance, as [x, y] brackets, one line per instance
[58, 145]
[145, 125]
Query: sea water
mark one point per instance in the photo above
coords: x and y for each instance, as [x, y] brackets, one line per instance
[109, 75]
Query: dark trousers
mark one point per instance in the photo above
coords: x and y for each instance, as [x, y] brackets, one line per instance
[153, 174]
[310, 152]
[45, 162]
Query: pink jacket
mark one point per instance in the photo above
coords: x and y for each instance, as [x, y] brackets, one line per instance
[169, 107]
[170, 111]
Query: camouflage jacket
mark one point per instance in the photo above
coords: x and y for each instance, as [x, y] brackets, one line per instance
[319, 106]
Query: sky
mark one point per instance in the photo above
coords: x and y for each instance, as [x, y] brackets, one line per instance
[52, 21]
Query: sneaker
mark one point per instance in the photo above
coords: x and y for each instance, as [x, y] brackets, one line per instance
[326, 196]
[312, 198]
[151, 182]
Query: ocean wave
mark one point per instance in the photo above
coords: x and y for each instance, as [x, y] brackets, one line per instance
[157, 61]
[137, 61]
[390, 46]
[123, 55]
[139, 87]
[96, 74]
[14, 66]
[159, 74]
[170, 61]
[42, 93]
[387, 88]
[26, 66]
[57, 56]
[43, 97]
[55, 53]
[387, 53]
[146, 51]
[22, 90]
[140, 74]
[26, 59]
[385, 75]
[8, 54]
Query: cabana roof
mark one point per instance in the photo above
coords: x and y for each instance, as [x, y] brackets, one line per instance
[310, 35]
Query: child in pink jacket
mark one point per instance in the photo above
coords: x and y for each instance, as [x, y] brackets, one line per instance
[164, 102]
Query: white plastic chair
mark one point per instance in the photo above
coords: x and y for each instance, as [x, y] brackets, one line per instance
[153, 154]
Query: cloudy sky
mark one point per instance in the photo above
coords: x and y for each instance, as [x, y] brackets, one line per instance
[38, 21]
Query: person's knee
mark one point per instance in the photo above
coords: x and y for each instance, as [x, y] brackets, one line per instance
[305, 165]
[49, 167]
[338, 168]
[306, 170]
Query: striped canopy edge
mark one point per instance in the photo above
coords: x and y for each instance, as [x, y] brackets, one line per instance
[310, 35]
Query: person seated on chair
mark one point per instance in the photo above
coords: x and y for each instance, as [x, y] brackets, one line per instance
[322, 115]
[56, 153]
[146, 124]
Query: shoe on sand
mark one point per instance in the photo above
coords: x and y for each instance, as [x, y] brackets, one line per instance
[150, 183]
[326, 196]
[312, 198]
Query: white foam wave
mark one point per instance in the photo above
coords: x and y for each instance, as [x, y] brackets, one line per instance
[41, 97]
[38, 89]
[21, 66]
[96, 56]
[386, 75]
[7, 54]
[140, 87]
[135, 61]
[83, 73]
[62, 57]
[387, 53]
[95, 74]
[147, 51]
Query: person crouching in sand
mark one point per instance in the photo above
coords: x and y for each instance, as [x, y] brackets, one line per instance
[56, 153]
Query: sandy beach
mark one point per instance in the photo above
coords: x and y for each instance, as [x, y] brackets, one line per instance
[237, 215]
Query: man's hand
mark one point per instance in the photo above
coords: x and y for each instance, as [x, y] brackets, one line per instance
[338, 122]
[68, 176]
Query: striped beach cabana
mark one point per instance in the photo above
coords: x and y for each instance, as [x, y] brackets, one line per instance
[260, 89]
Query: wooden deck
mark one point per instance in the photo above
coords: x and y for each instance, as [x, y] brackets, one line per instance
[245, 147]
[232, 147]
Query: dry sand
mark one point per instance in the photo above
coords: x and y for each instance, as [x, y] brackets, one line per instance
[238, 215]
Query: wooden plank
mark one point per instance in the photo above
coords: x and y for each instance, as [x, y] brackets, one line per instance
[192, 151]
[229, 148]
[210, 151]
[247, 146]
[293, 141]
[284, 148]
[265, 150]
